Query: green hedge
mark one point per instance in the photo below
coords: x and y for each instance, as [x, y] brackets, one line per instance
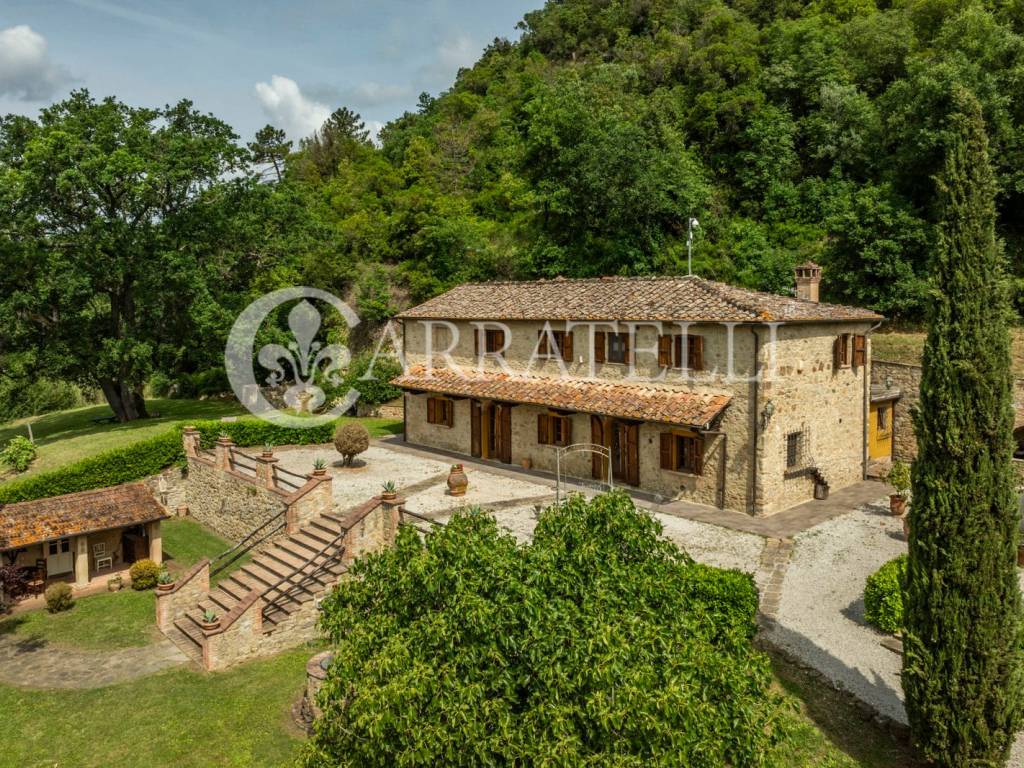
[150, 456]
[883, 596]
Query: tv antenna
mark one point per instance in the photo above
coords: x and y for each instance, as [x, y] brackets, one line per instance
[691, 225]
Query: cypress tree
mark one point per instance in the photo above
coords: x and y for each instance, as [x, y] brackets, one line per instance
[961, 663]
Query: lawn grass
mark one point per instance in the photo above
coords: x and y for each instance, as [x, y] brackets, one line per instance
[180, 718]
[906, 347]
[123, 619]
[186, 542]
[66, 436]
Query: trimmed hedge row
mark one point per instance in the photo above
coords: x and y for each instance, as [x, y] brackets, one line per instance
[150, 456]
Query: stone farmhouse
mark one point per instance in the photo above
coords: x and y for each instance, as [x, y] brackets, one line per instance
[680, 386]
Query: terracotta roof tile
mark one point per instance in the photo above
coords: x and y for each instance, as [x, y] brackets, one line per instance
[29, 522]
[625, 401]
[629, 299]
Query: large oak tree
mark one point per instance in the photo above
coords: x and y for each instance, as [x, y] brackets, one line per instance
[112, 237]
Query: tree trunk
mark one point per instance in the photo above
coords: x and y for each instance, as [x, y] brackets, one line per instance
[126, 403]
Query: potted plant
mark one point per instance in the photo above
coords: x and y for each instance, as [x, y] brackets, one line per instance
[457, 481]
[164, 582]
[115, 583]
[319, 466]
[389, 491]
[210, 620]
[899, 478]
[268, 450]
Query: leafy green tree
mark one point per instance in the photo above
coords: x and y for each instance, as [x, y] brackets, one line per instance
[599, 643]
[270, 149]
[105, 210]
[343, 136]
[962, 671]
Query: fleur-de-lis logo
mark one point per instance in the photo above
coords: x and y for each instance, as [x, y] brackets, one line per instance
[306, 358]
[302, 362]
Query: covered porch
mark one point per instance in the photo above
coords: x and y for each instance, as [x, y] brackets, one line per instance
[81, 538]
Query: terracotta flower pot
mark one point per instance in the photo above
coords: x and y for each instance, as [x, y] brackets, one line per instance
[209, 626]
[389, 495]
[897, 504]
[457, 481]
[319, 472]
[527, 463]
[165, 587]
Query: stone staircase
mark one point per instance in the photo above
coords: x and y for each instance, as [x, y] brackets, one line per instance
[271, 602]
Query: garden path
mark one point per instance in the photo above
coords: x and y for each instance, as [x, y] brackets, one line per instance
[28, 662]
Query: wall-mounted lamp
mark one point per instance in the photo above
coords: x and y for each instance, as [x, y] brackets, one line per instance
[766, 413]
[888, 382]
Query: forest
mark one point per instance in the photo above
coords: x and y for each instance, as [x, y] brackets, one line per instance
[131, 236]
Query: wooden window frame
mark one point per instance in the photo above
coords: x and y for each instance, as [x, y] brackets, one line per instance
[440, 411]
[563, 345]
[841, 351]
[860, 350]
[627, 347]
[554, 429]
[682, 451]
[670, 352]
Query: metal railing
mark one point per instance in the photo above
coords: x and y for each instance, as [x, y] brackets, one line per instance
[284, 477]
[243, 463]
[301, 571]
[245, 545]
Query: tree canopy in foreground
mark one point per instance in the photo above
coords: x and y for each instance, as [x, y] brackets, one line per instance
[599, 643]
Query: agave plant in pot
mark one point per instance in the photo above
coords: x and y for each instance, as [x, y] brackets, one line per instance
[210, 620]
[319, 466]
[389, 491]
[899, 478]
[165, 581]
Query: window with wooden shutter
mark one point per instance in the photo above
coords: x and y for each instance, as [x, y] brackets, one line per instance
[598, 346]
[619, 348]
[542, 344]
[494, 340]
[664, 351]
[860, 350]
[695, 353]
[543, 429]
[553, 429]
[682, 452]
[567, 352]
[440, 411]
[841, 351]
[476, 341]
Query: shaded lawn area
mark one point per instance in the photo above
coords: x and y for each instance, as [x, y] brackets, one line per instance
[66, 436]
[186, 542]
[122, 619]
[181, 717]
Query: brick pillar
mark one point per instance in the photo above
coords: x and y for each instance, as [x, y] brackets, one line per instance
[265, 469]
[222, 453]
[392, 513]
[311, 500]
[190, 441]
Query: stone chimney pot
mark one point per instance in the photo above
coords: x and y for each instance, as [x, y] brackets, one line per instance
[808, 281]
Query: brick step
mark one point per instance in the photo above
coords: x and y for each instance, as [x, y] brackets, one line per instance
[190, 628]
[311, 540]
[324, 526]
[187, 644]
[223, 601]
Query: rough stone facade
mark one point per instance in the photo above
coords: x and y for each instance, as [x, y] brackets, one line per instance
[188, 590]
[907, 379]
[808, 394]
[229, 504]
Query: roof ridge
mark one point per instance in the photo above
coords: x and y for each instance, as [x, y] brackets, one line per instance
[713, 286]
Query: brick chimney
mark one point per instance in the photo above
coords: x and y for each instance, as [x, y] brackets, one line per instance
[808, 280]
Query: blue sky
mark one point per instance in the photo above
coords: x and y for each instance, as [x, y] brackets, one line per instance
[248, 62]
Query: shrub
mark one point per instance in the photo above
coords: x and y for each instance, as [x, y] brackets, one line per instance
[351, 439]
[899, 477]
[377, 388]
[599, 642]
[19, 453]
[883, 596]
[144, 574]
[58, 597]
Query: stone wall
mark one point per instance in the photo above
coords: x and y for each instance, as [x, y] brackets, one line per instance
[907, 378]
[230, 504]
[189, 589]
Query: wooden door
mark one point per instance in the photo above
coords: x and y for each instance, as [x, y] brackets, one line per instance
[880, 430]
[59, 557]
[626, 452]
[598, 463]
[475, 428]
[503, 417]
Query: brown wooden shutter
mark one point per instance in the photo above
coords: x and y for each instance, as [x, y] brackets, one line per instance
[696, 353]
[542, 343]
[667, 438]
[598, 346]
[677, 352]
[476, 341]
[860, 350]
[633, 454]
[543, 429]
[566, 430]
[698, 455]
[506, 434]
[628, 336]
[567, 353]
[431, 410]
[836, 352]
[664, 351]
[499, 340]
[598, 463]
[449, 412]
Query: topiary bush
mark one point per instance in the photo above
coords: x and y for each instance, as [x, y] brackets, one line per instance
[144, 574]
[58, 597]
[351, 439]
[598, 643]
[19, 453]
[883, 596]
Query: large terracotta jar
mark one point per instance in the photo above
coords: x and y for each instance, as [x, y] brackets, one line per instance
[457, 481]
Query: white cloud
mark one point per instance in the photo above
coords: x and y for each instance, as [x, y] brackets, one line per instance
[26, 70]
[286, 106]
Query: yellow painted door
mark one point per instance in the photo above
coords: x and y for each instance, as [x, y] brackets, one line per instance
[880, 431]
